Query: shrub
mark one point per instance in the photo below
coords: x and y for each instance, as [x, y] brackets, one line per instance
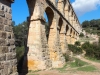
[77, 43]
[66, 57]
[75, 49]
[92, 50]
[19, 52]
[81, 35]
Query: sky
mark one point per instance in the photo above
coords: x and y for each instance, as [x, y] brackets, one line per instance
[85, 10]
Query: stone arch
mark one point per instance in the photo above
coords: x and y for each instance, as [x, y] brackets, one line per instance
[67, 28]
[60, 24]
[67, 31]
[71, 31]
[50, 15]
[53, 49]
[72, 36]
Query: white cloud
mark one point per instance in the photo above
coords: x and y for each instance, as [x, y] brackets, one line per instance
[83, 6]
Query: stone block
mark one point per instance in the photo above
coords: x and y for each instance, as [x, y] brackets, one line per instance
[2, 57]
[1, 27]
[8, 28]
[7, 42]
[1, 65]
[9, 22]
[10, 11]
[12, 41]
[3, 49]
[2, 42]
[8, 35]
[1, 72]
[12, 48]
[2, 34]
[10, 56]
[14, 62]
[1, 20]
[5, 21]
[12, 35]
[8, 16]
[2, 13]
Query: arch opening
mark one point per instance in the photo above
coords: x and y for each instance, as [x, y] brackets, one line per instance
[60, 24]
[67, 28]
[49, 15]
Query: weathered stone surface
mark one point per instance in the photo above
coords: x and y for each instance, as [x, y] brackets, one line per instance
[8, 16]
[5, 21]
[10, 56]
[12, 36]
[8, 62]
[1, 65]
[3, 34]
[12, 41]
[3, 49]
[12, 48]
[7, 42]
[2, 42]
[1, 20]
[8, 28]
[1, 27]
[9, 22]
[8, 35]
[1, 13]
[2, 57]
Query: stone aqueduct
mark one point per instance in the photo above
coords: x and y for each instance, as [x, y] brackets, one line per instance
[42, 51]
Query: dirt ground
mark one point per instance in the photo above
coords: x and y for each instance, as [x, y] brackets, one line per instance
[72, 72]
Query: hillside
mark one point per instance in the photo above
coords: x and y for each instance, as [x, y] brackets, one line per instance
[92, 26]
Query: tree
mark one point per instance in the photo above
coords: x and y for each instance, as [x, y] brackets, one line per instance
[20, 32]
[77, 43]
[85, 24]
[81, 35]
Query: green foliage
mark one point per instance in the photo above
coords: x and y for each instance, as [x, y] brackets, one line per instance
[92, 50]
[93, 59]
[92, 23]
[81, 35]
[20, 32]
[92, 26]
[87, 68]
[75, 49]
[19, 52]
[85, 24]
[78, 63]
[77, 43]
[67, 58]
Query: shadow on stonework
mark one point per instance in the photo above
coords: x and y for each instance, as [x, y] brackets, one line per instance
[22, 64]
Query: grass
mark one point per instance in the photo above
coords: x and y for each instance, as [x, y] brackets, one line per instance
[30, 71]
[93, 59]
[78, 63]
[87, 68]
